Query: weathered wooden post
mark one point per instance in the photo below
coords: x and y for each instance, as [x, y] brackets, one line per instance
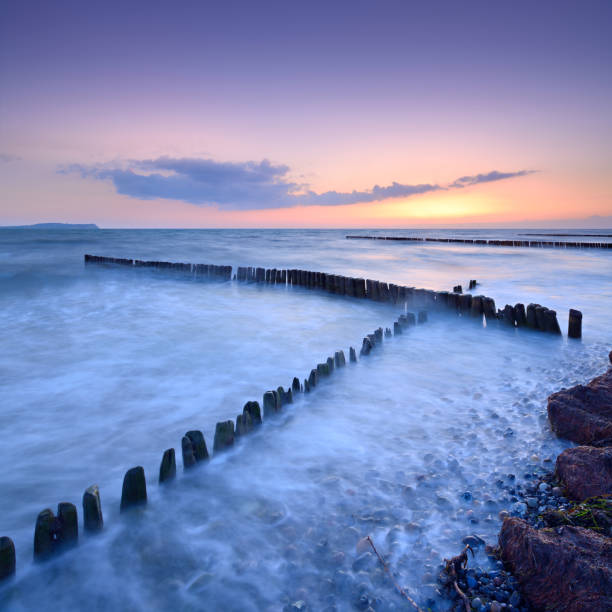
[44, 535]
[52, 534]
[422, 316]
[193, 446]
[134, 492]
[322, 369]
[7, 558]
[69, 524]
[465, 303]
[574, 324]
[313, 379]
[224, 436]
[366, 347]
[531, 316]
[508, 315]
[388, 332]
[285, 396]
[244, 424]
[551, 325]
[330, 364]
[167, 468]
[539, 315]
[488, 308]
[397, 328]
[92, 510]
[339, 359]
[519, 315]
[352, 355]
[269, 404]
[254, 410]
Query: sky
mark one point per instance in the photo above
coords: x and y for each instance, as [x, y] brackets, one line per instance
[306, 114]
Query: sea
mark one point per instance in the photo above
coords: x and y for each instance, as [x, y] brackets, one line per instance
[102, 368]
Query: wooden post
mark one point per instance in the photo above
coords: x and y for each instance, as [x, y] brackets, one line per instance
[167, 469]
[7, 558]
[574, 324]
[134, 492]
[92, 510]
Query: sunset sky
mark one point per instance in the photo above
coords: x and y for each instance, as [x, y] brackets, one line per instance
[306, 114]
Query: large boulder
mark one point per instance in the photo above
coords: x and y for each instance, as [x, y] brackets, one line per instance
[585, 471]
[583, 414]
[566, 569]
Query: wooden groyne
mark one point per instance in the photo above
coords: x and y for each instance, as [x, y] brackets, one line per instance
[535, 244]
[534, 316]
[57, 533]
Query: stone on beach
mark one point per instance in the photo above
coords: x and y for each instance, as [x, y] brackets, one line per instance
[585, 471]
[567, 569]
[583, 413]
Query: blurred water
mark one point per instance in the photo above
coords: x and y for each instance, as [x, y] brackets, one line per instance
[103, 369]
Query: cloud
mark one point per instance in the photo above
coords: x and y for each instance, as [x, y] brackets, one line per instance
[246, 185]
[466, 181]
[7, 157]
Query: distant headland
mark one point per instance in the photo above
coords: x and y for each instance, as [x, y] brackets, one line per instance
[60, 226]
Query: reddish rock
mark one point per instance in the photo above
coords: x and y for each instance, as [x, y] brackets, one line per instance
[583, 414]
[566, 569]
[586, 471]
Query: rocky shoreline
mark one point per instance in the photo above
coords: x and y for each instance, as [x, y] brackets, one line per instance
[555, 545]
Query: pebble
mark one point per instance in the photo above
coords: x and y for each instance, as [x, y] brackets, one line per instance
[476, 603]
[519, 509]
[532, 502]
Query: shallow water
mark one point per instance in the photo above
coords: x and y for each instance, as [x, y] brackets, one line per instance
[103, 369]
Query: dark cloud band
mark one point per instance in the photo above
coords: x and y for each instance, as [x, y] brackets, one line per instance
[247, 185]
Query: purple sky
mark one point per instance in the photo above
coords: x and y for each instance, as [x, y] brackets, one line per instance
[349, 99]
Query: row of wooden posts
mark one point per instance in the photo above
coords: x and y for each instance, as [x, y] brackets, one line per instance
[538, 244]
[56, 533]
[534, 316]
